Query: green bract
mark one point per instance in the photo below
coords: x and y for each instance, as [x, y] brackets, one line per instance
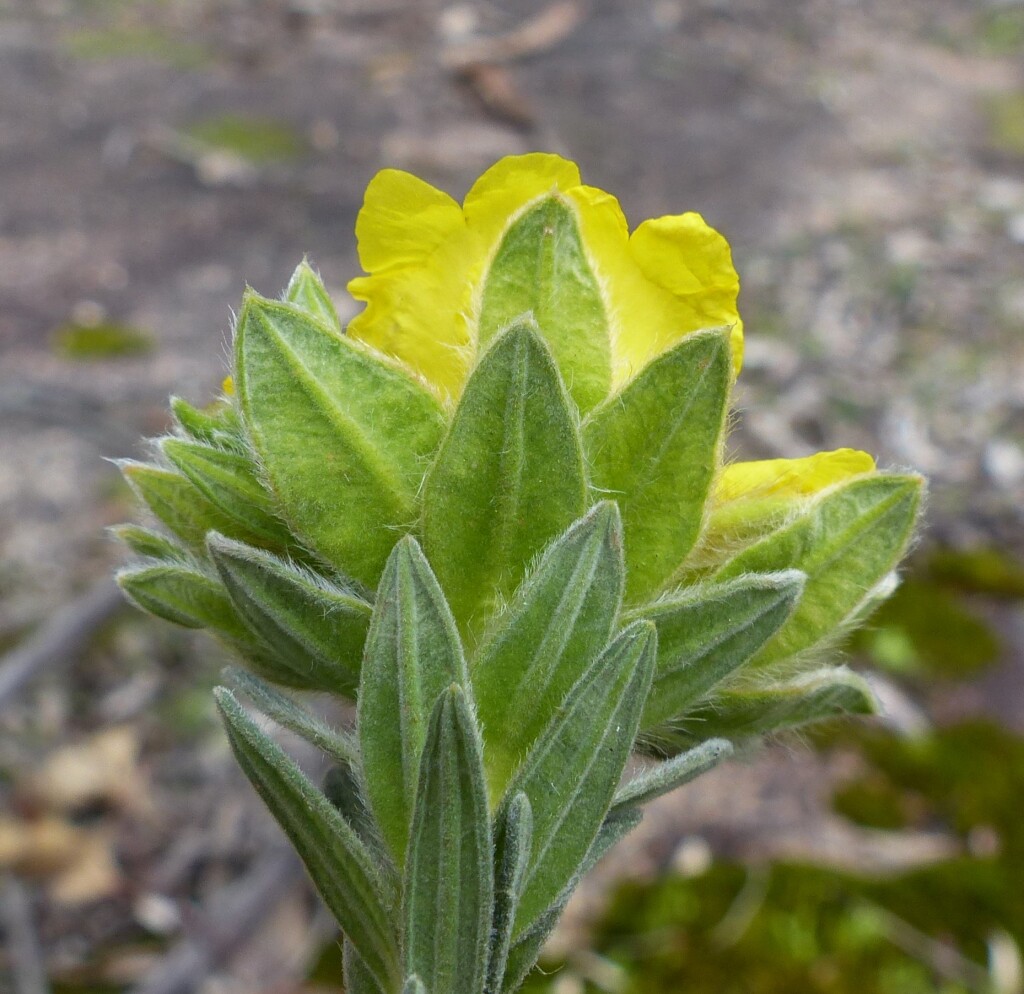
[516, 548]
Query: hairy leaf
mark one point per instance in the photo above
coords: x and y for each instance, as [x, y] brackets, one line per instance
[151, 544]
[412, 654]
[666, 776]
[572, 771]
[559, 620]
[816, 696]
[508, 477]
[708, 631]
[655, 447]
[226, 479]
[541, 270]
[176, 502]
[288, 714]
[307, 290]
[342, 433]
[314, 626]
[513, 845]
[449, 882]
[338, 861]
[846, 542]
[523, 955]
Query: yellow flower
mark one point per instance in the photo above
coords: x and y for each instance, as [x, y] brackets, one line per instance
[749, 496]
[788, 478]
[432, 275]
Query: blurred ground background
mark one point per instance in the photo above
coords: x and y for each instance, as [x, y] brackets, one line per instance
[865, 160]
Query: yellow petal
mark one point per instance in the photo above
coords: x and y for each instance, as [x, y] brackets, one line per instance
[790, 477]
[693, 262]
[672, 277]
[402, 220]
[414, 243]
[510, 185]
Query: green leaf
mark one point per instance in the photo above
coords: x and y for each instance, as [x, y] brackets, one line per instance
[307, 290]
[559, 620]
[412, 654]
[708, 631]
[176, 502]
[449, 883]
[226, 479]
[184, 595]
[358, 979]
[151, 544]
[846, 542]
[508, 478]
[340, 747]
[655, 448]
[513, 845]
[341, 433]
[316, 628]
[673, 773]
[414, 985]
[572, 771]
[818, 696]
[216, 425]
[337, 860]
[523, 955]
[344, 788]
[541, 270]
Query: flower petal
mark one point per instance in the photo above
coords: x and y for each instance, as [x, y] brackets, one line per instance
[790, 477]
[672, 277]
[414, 243]
[510, 185]
[692, 261]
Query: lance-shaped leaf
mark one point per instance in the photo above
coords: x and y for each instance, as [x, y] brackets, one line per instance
[337, 860]
[313, 626]
[412, 654]
[513, 845]
[673, 773]
[449, 880]
[559, 620]
[342, 434]
[816, 696]
[707, 632]
[226, 479]
[283, 709]
[508, 477]
[574, 767]
[846, 542]
[184, 595]
[358, 979]
[217, 425]
[344, 788]
[148, 543]
[523, 955]
[307, 290]
[541, 269]
[176, 502]
[655, 448]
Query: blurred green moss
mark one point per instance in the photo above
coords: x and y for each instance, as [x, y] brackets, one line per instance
[256, 139]
[125, 42]
[1004, 113]
[106, 340]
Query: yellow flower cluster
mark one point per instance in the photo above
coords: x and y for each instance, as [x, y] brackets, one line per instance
[427, 259]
